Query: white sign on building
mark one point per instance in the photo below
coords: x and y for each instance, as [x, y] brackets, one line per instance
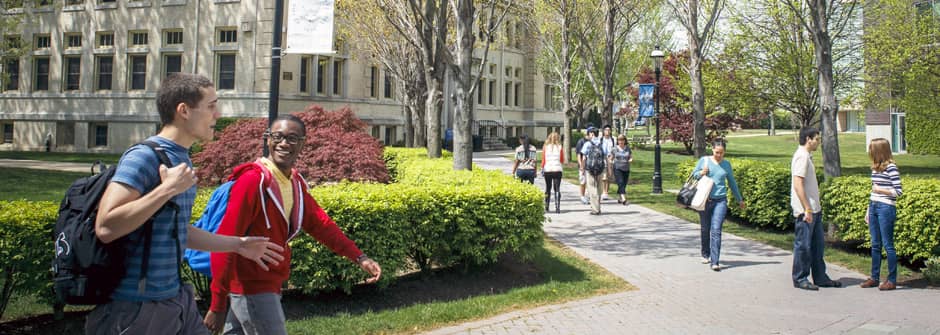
[310, 27]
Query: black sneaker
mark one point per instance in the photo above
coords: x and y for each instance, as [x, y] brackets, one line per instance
[806, 285]
[831, 283]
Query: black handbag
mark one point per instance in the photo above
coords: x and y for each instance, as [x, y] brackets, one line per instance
[684, 198]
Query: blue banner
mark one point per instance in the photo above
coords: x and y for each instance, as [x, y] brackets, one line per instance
[645, 100]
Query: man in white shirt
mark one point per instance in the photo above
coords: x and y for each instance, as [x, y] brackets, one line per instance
[809, 244]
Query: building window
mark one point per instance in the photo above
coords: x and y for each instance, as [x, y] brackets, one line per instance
[304, 68]
[375, 131]
[173, 38]
[172, 63]
[517, 94]
[321, 76]
[389, 135]
[506, 92]
[138, 66]
[226, 72]
[374, 83]
[518, 72]
[7, 132]
[42, 42]
[73, 40]
[388, 86]
[73, 72]
[104, 69]
[508, 71]
[11, 74]
[228, 36]
[98, 136]
[106, 1]
[105, 39]
[480, 86]
[65, 133]
[492, 68]
[491, 94]
[337, 77]
[41, 69]
[138, 38]
[74, 2]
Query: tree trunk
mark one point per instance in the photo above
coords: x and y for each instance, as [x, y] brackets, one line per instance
[698, 98]
[433, 115]
[609, 64]
[463, 115]
[832, 165]
[406, 109]
[420, 126]
[773, 130]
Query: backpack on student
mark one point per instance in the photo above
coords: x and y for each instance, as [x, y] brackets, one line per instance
[85, 270]
[198, 260]
[595, 161]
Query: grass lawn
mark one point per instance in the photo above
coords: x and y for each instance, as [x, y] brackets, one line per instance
[776, 149]
[61, 156]
[35, 185]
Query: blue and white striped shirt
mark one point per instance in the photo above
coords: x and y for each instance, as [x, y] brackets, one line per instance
[139, 169]
[890, 179]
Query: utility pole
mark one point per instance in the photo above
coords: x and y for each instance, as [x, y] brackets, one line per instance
[275, 86]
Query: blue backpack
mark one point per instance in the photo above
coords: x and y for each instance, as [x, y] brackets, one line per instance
[209, 221]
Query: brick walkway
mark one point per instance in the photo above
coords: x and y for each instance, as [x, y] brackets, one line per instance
[676, 294]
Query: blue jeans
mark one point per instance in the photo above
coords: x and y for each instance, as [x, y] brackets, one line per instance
[808, 249]
[711, 220]
[881, 227]
[526, 175]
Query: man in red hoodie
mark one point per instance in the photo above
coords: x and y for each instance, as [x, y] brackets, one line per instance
[269, 198]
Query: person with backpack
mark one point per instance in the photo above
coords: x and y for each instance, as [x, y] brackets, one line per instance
[152, 299]
[582, 178]
[270, 198]
[523, 167]
[593, 166]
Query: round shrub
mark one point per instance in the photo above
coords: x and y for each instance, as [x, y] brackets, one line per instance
[337, 148]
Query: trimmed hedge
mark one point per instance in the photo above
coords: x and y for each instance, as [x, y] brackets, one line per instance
[433, 216]
[26, 248]
[917, 229]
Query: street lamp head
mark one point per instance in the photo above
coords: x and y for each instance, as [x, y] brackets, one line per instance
[657, 56]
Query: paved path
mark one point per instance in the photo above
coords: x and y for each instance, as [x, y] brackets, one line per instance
[45, 165]
[676, 294]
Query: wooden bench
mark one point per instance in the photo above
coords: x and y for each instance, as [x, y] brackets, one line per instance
[641, 139]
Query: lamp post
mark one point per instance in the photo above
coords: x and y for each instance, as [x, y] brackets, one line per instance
[657, 56]
[275, 84]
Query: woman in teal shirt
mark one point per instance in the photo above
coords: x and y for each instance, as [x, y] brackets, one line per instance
[719, 170]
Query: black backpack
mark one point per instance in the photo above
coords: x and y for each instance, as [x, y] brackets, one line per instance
[595, 161]
[85, 270]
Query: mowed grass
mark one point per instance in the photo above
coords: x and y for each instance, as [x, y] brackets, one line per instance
[61, 156]
[776, 149]
[34, 184]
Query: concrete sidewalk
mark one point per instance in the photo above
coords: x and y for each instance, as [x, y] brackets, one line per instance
[658, 253]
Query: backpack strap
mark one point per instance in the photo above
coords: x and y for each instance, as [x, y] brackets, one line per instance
[148, 235]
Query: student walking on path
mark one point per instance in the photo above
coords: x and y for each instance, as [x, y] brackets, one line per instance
[524, 165]
[269, 198]
[622, 157]
[716, 207]
[808, 246]
[582, 178]
[593, 166]
[553, 156]
[882, 212]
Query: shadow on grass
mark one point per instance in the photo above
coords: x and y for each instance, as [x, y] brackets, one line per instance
[450, 284]
[444, 285]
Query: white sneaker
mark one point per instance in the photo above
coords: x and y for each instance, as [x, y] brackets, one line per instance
[706, 260]
[604, 197]
[585, 200]
[716, 268]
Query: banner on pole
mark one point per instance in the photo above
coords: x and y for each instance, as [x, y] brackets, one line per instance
[646, 100]
[310, 27]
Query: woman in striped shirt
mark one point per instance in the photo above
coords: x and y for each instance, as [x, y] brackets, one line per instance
[882, 212]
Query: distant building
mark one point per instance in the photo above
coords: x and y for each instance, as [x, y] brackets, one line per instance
[88, 80]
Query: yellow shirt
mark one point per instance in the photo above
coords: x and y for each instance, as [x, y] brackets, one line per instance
[283, 182]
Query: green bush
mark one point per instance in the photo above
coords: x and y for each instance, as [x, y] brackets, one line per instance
[917, 229]
[26, 249]
[932, 270]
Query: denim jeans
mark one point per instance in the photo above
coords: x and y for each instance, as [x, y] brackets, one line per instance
[881, 227]
[255, 314]
[526, 175]
[711, 220]
[622, 177]
[808, 249]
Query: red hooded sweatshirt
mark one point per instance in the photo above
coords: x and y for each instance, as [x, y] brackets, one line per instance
[255, 207]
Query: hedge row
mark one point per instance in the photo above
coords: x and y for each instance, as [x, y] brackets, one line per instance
[766, 191]
[433, 216]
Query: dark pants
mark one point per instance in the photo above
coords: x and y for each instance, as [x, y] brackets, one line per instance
[622, 177]
[526, 175]
[808, 250]
[553, 185]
